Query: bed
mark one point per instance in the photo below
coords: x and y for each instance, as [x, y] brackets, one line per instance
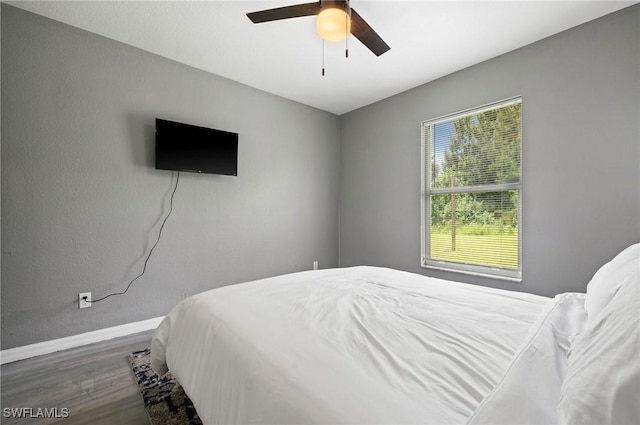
[371, 345]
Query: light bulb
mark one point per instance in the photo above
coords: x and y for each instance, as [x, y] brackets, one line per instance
[333, 24]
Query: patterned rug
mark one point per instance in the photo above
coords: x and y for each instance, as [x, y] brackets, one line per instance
[164, 399]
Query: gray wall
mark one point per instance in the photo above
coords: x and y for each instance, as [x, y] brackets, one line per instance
[581, 156]
[82, 202]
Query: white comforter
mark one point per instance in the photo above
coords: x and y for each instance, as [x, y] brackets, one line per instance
[360, 345]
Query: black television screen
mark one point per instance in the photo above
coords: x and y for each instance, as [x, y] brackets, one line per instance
[185, 147]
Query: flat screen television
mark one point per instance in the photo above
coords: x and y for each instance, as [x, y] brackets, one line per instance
[186, 147]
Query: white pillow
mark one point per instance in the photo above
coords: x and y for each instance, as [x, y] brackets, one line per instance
[602, 379]
[607, 280]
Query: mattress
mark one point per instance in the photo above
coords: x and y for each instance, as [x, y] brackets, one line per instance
[360, 345]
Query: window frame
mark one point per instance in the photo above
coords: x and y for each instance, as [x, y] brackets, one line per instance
[514, 275]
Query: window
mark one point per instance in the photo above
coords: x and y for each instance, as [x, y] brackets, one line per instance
[471, 191]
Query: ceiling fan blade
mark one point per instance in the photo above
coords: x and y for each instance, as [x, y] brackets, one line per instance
[286, 12]
[363, 32]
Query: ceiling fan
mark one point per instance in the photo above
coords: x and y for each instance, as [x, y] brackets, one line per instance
[335, 20]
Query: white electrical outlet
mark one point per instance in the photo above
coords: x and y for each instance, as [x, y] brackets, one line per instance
[315, 265]
[84, 300]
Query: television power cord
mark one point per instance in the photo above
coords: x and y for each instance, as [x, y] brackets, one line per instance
[144, 268]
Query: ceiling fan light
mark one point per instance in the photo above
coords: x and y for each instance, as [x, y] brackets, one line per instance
[333, 24]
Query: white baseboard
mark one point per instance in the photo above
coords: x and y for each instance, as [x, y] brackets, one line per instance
[46, 347]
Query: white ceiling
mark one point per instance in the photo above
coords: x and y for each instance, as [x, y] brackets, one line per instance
[428, 39]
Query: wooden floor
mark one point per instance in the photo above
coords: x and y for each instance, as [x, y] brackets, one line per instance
[93, 382]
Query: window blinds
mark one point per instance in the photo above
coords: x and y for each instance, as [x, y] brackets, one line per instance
[471, 190]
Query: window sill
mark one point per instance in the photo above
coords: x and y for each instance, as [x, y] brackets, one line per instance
[488, 272]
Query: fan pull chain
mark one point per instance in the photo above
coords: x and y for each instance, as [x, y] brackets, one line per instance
[346, 27]
[323, 58]
[322, 46]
